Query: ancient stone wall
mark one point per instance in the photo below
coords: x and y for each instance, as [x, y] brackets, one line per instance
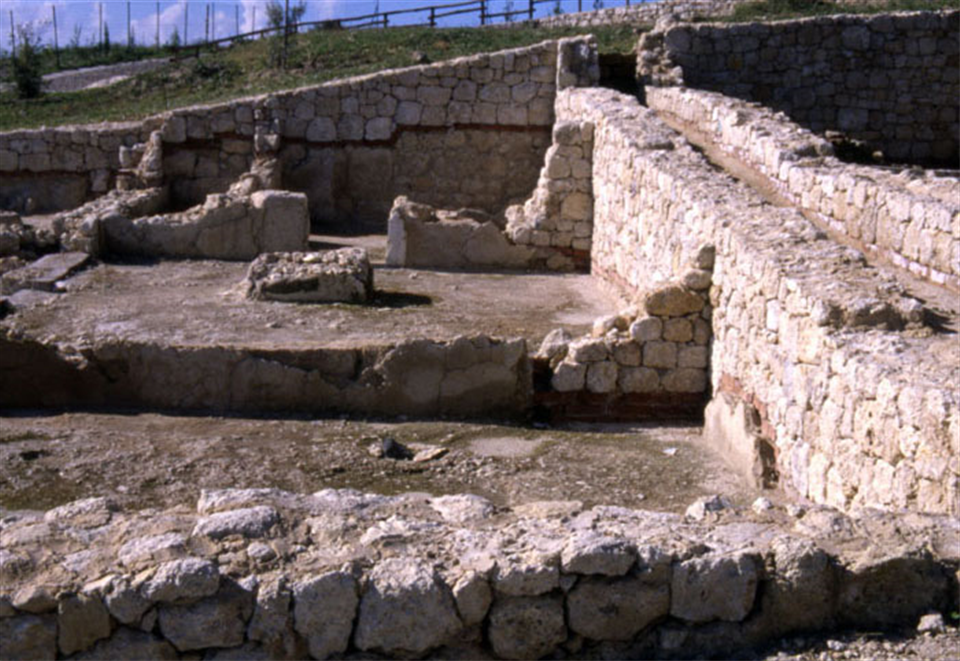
[890, 80]
[851, 410]
[464, 133]
[265, 573]
[641, 12]
[907, 218]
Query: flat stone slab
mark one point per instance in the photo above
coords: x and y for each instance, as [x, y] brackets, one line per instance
[44, 273]
[332, 276]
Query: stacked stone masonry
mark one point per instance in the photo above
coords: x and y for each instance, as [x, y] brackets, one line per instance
[351, 146]
[245, 574]
[659, 347]
[804, 329]
[890, 80]
[909, 219]
[642, 13]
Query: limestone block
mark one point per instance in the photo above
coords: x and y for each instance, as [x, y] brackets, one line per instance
[379, 128]
[29, 637]
[324, 611]
[406, 609]
[695, 356]
[526, 627]
[125, 603]
[617, 610]
[246, 522]
[321, 129]
[569, 377]
[350, 127]
[627, 353]
[82, 620]
[646, 329]
[128, 643]
[286, 221]
[577, 207]
[332, 276]
[879, 591]
[593, 553]
[800, 593]
[554, 346]
[660, 354]
[638, 379]
[433, 96]
[408, 113]
[602, 377]
[218, 621]
[188, 579]
[677, 329]
[588, 350]
[473, 597]
[714, 587]
[9, 161]
[672, 301]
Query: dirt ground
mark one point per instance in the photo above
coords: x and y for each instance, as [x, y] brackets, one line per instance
[201, 303]
[155, 460]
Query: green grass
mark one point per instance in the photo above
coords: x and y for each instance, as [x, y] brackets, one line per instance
[245, 70]
[779, 9]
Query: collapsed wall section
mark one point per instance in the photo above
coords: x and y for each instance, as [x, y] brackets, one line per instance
[890, 80]
[905, 218]
[850, 411]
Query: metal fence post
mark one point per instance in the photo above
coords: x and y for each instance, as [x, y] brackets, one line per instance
[56, 37]
[483, 12]
[433, 17]
[286, 30]
[530, 10]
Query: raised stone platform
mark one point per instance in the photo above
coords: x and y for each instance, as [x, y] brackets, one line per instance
[196, 342]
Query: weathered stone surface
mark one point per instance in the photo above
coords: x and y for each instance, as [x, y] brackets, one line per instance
[672, 301]
[800, 590]
[246, 522]
[29, 637]
[569, 376]
[601, 609]
[527, 575]
[714, 588]
[82, 620]
[473, 597]
[406, 609]
[526, 627]
[44, 273]
[218, 621]
[182, 580]
[342, 275]
[152, 549]
[592, 553]
[324, 610]
[880, 591]
[126, 644]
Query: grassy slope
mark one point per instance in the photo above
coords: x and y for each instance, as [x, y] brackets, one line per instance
[325, 55]
[244, 70]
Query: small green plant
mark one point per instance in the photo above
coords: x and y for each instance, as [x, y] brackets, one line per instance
[557, 9]
[25, 64]
[106, 38]
[173, 43]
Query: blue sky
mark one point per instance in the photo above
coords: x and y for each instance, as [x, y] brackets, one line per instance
[84, 15]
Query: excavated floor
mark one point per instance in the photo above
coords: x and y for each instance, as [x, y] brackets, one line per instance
[154, 460]
[201, 303]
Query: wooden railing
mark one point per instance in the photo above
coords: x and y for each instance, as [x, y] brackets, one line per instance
[431, 14]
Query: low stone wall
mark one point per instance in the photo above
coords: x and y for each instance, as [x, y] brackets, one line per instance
[641, 12]
[271, 574]
[854, 411]
[469, 132]
[910, 220]
[890, 80]
[467, 376]
[420, 236]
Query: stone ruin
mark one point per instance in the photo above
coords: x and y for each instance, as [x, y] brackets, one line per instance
[802, 306]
